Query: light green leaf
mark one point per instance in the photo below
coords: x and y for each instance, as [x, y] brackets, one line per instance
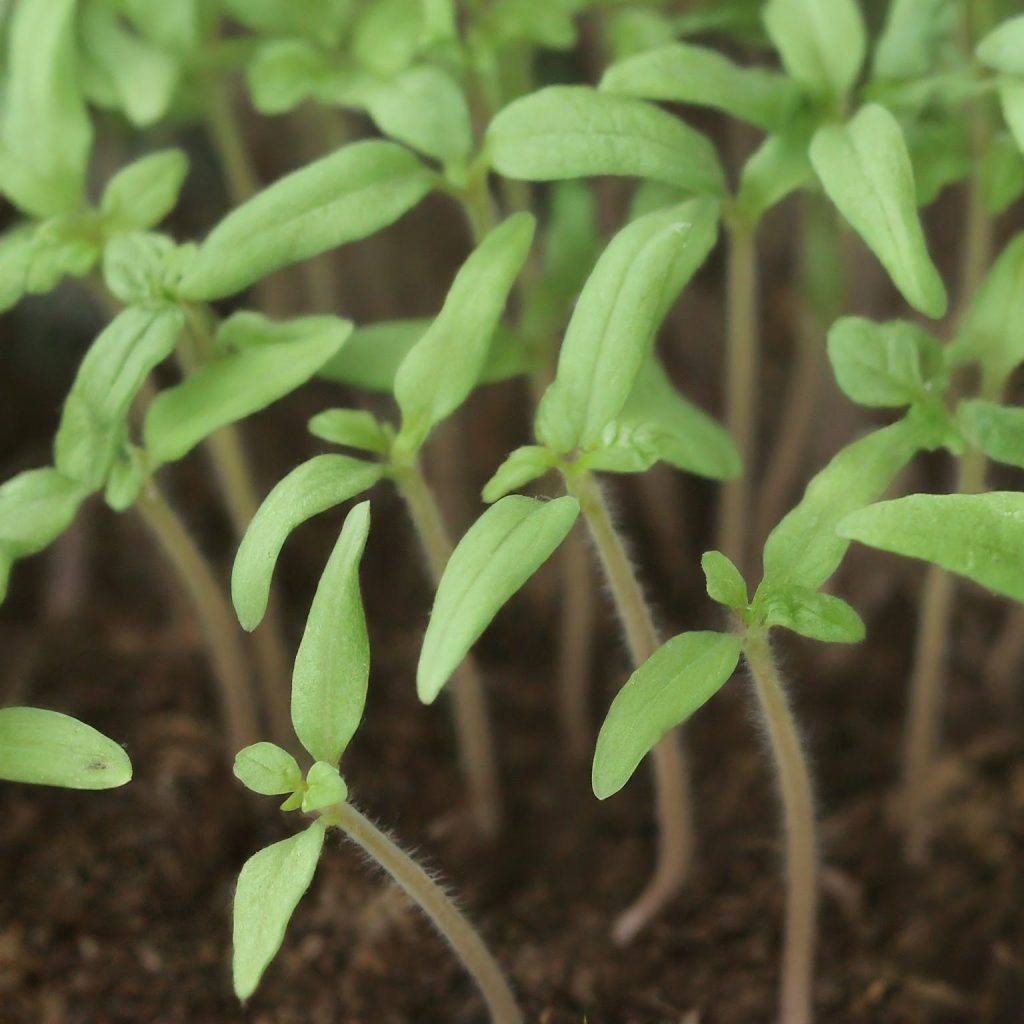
[1003, 48]
[323, 21]
[353, 428]
[822, 45]
[51, 749]
[724, 582]
[498, 554]
[339, 198]
[523, 465]
[884, 365]
[1001, 174]
[140, 195]
[333, 662]
[283, 73]
[916, 34]
[269, 889]
[867, 173]
[309, 489]
[778, 167]
[682, 73]
[388, 35]
[267, 769]
[810, 613]
[569, 131]
[626, 297]
[60, 246]
[135, 266]
[980, 536]
[128, 475]
[1011, 99]
[45, 133]
[16, 246]
[663, 692]
[234, 386]
[997, 430]
[442, 367]
[804, 549]
[324, 787]
[940, 153]
[95, 416]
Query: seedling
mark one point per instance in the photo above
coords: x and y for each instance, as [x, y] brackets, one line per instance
[329, 687]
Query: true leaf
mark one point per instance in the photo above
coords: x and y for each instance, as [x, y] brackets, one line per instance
[521, 466]
[683, 73]
[810, 613]
[134, 266]
[267, 769]
[663, 692]
[997, 430]
[51, 749]
[324, 787]
[269, 889]
[15, 259]
[916, 34]
[723, 580]
[333, 662]
[309, 489]
[95, 414]
[353, 428]
[822, 45]
[442, 367]
[140, 195]
[387, 35]
[1011, 99]
[498, 554]
[804, 549]
[1001, 174]
[777, 167]
[127, 477]
[567, 131]
[283, 73]
[232, 387]
[339, 198]
[1003, 48]
[866, 171]
[618, 312]
[980, 536]
[60, 246]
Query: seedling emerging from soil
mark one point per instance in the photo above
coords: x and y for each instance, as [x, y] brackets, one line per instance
[328, 696]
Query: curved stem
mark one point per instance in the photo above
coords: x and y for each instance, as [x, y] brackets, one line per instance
[795, 996]
[431, 899]
[742, 370]
[472, 722]
[222, 632]
[674, 804]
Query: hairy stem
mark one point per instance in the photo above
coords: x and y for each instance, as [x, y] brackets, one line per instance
[795, 996]
[576, 627]
[432, 900]
[472, 722]
[742, 371]
[222, 632]
[674, 805]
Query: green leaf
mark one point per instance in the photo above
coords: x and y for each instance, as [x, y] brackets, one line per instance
[267, 769]
[324, 787]
[339, 198]
[915, 36]
[371, 356]
[523, 465]
[323, 21]
[980, 536]
[353, 428]
[16, 246]
[135, 266]
[1001, 174]
[626, 297]
[442, 367]
[388, 35]
[269, 889]
[140, 195]
[1003, 48]
[544, 23]
[940, 153]
[498, 554]
[636, 30]
[572, 240]
[60, 246]
[682, 73]
[810, 613]
[867, 173]
[804, 549]
[725, 584]
[234, 386]
[674, 429]
[663, 692]
[884, 365]
[283, 73]
[95, 417]
[997, 430]
[45, 133]
[569, 131]
[128, 475]
[822, 45]
[309, 489]
[777, 167]
[333, 662]
[1011, 99]
[50, 749]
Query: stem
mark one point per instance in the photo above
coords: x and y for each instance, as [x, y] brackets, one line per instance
[219, 626]
[431, 899]
[226, 137]
[472, 722]
[575, 629]
[742, 369]
[795, 996]
[674, 806]
[927, 684]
